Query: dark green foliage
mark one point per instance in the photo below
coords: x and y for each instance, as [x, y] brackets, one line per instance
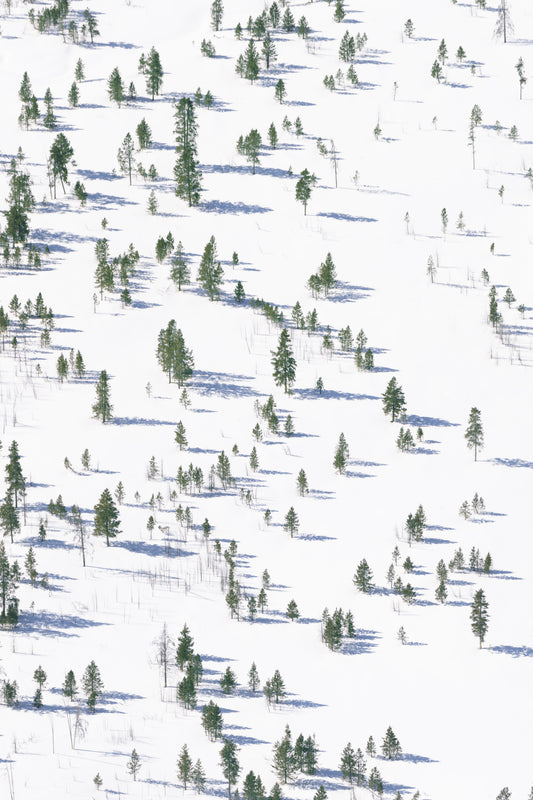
[292, 612]
[268, 50]
[292, 523]
[144, 134]
[230, 763]
[172, 354]
[210, 272]
[284, 362]
[283, 757]
[70, 689]
[375, 782]
[363, 577]
[474, 432]
[479, 616]
[217, 11]
[102, 409]
[150, 67]
[106, 517]
[186, 171]
[185, 766]
[115, 87]
[391, 746]
[393, 400]
[253, 678]
[185, 648]
[239, 292]
[8, 584]
[304, 187]
[92, 685]
[228, 681]
[186, 690]
[15, 480]
[80, 192]
[212, 721]
[287, 22]
[342, 454]
[20, 203]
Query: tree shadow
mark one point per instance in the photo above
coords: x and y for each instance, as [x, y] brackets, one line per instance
[429, 422]
[139, 421]
[218, 383]
[344, 217]
[227, 207]
[516, 652]
[365, 642]
[330, 394]
[155, 549]
[511, 462]
[46, 623]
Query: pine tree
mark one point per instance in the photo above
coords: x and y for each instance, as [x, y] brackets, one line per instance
[375, 782]
[70, 689]
[30, 565]
[185, 648]
[186, 171]
[73, 95]
[92, 685]
[229, 763]
[15, 480]
[292, 523]
[8, 583]
[251, 62]
[268, 50]
[504, 24]
[106, 517]
[284, 362]
[217, 11]
[342, 454]
[304, 187]
[198, 777]
[153, 72]
[134, 764]
[280, 91]
[228, 681]
[172, 354]
[479, 616]
[125, 157]
[61, 154]
[283, 757]
[292, 612]
[115, 87]
[92, 25]
[393, 400]
[391, 746]
[144, 134]
[363, 577]
[210, 273]
[301, 482]
[179, 273]
[186, 689]
[474, 432]
[102, 409]
[212, 720]
[185, 766]
[253, 678]
[20, 203]
[180, 436]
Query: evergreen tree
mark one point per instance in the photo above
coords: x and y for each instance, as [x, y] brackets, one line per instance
[79, 72]
[251, 62]
[284, 362]
[375, 782]
[301, 482]
[186, 690]
[20, 203]
[228, 681]
[30, 565]
[268, 50]
[292, 523]
[504, 25]
[92, 685]
[393, 400]
[125, 157]
[339, 13]
[180, 436]
[185, 648]
[253, 678]
[70, 689]
[15, 480]
[332, 633]
[287, 22]
[479, 616]
[186, 171]
[106, 517]
[252, 145]
[179, 273]
[61, 154]
[173, 356]
[304, 187]
[102, 409]
[217, 11]
[115, 87]
[363, 577]
[198, 777]
[153, 72]
[283, 757]
[292, 612]
[144, 134]
[391, 746]
[73, 95]
[92, 25]
[134, 764]
[210, 273]
[342, 454]
[280, 91]
[474, 432]
[212, 720]
[8, 583]
[229, 763]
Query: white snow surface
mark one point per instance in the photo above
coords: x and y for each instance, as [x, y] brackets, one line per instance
[462, 714]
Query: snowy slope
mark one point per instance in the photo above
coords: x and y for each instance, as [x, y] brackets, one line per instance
[461, 714]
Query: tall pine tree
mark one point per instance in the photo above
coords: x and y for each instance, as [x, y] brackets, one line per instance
[186, 171]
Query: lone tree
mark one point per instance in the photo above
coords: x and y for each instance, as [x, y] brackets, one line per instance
[363, 577]
[229, 763]
[292, 523]
[210, 272]
[151, 68]
[103, 409]
[126, 161]
[393, 400]
[391, 746]
[504, 24]
[479, 616]
[304, 187]
[474, 431]
[134, 764]
[61, 154]
[92, 685]
[106, 518]
[217, 11]
[284, 362]
[186, 171]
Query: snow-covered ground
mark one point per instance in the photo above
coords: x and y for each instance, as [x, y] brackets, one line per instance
[462, 714]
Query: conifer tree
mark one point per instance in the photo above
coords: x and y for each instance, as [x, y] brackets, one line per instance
[185, 766]
[280, 91]
[106, 517]
[180, 436]
[179, 272]
[30, 565]
[212, 721]
[251, 62]
[186, 171]
[20, 203]
[210, 273]
[153, 72]
[185, 648]
[292, 612]
[479, 616]
[268, 50]
[363, 577]
[115, 87]
[292, 523]
[61, 154]
[92, 685]
[342, 453]
[391, 746]
[15, 480]
[304, 187]
[393, 400]
[229, 763]
[125, 157]
[70, 689]
[92, 25]
[474, 432]
[284, 362]
[217, 11]
[339, 13]
[301, 482]
[283, 757]
[253, 678]
[172, 354]
[134, 764]
[102, 409]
